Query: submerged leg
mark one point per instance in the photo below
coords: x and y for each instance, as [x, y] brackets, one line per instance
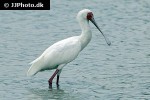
[52, 77]
[57, 82]
[58, 74]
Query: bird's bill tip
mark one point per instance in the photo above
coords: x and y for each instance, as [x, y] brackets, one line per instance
[94, 22]
[108, 42]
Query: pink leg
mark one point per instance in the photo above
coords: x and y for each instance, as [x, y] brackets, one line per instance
[52, 77]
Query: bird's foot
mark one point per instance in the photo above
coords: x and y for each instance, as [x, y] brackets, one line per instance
[57, 84]
[50, 85]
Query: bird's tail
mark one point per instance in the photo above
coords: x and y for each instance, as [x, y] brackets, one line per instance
[35, 67]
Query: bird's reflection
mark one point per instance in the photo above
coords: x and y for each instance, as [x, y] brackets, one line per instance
[45, 94]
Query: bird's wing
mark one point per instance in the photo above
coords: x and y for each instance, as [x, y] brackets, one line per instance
[63, 51]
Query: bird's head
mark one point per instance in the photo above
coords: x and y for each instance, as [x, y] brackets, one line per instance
[87, 14]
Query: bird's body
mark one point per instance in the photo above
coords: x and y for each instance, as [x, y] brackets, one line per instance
[62, 52]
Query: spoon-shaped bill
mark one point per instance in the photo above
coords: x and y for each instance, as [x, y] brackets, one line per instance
[94, 22]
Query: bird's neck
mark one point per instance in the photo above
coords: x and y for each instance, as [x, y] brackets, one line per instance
[86, 34]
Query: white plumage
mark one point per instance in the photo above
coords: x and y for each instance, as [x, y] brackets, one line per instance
[65, 51]
[59, 53]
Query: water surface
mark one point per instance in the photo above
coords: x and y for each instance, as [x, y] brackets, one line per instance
[117, 72]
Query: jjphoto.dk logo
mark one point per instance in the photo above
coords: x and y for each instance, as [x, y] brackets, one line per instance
[25, 5]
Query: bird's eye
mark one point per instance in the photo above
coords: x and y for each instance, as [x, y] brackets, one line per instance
[89, 15]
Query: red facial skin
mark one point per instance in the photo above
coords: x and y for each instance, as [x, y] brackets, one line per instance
[89, 15]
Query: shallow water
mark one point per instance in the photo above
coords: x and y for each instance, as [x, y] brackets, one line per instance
[117, 72]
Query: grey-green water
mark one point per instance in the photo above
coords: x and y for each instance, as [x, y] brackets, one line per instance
[117, 72]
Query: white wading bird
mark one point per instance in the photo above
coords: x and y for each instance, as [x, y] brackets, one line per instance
[65, 51]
